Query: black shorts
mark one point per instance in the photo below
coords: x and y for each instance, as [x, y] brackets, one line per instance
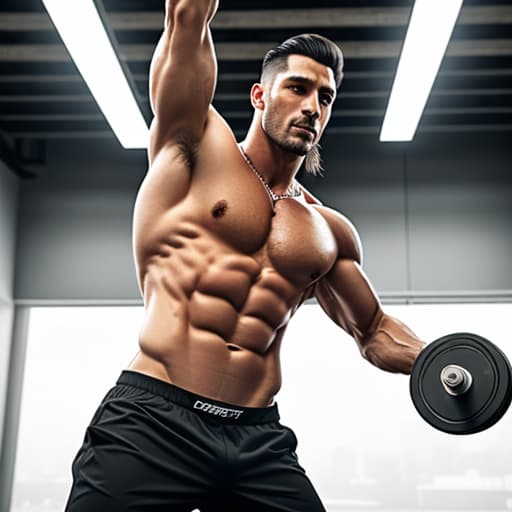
[154, 447]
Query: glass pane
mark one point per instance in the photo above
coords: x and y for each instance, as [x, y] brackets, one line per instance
[74, 355]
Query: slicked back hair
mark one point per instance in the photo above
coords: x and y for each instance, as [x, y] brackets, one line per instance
[316, 47]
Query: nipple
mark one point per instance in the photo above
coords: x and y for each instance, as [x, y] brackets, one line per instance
[219, 209]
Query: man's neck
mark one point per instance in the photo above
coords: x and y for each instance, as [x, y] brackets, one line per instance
[277, 166]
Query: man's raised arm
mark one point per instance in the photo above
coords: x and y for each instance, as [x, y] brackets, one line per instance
[183, 74]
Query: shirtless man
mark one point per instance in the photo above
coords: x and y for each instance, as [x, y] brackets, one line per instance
[227, 246]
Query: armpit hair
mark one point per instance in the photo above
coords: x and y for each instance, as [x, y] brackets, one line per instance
[188, 152]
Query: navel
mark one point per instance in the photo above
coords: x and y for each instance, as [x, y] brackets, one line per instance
[219, 209]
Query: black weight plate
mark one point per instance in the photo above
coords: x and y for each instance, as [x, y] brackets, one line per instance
[468, 405]
[482, 405]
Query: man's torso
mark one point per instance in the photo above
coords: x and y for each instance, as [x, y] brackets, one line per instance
[221, 276]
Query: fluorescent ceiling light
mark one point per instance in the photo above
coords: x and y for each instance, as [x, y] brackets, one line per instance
[82, 31]
[428, 34]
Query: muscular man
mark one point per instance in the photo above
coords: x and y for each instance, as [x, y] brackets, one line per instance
[227, 246]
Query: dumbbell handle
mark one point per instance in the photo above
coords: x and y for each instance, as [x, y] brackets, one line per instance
[456, 380]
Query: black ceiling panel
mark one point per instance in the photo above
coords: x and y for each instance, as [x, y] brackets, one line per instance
[42, 94]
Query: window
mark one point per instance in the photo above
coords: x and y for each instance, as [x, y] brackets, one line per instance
[360, 439]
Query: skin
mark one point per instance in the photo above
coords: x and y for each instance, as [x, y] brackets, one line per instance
[221, 273]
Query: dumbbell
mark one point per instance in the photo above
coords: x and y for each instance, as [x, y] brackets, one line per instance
[461, 383]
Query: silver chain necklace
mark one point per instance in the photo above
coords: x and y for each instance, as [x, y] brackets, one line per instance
[295, 192]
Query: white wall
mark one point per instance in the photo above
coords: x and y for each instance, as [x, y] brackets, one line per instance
[9, 189]
[360, 440]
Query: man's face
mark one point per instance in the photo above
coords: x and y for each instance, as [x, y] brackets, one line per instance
[298, 104]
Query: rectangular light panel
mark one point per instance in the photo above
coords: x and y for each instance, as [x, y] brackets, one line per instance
[428, 34]
[82, 31]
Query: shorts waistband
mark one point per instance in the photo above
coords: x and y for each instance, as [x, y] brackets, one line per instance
[214, 409]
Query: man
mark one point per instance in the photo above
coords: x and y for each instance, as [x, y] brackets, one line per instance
[227, 246]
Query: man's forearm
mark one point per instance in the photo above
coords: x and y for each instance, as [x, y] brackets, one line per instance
[391, 345]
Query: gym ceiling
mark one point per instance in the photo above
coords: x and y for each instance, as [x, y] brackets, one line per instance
[42, 95]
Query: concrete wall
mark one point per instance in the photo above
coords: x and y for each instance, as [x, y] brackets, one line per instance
[9, 188]
[75, 235]
[434, 217]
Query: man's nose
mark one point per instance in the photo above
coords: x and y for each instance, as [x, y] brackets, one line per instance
[311, 107]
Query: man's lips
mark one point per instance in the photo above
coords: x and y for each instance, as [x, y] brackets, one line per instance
[306, 128]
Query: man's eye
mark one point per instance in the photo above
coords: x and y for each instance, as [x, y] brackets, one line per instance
[297, 88]
[326, 100]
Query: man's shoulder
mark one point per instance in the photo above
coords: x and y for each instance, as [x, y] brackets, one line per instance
[349, 243]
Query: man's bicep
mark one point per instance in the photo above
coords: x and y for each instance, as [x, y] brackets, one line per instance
[182, 78]
[348, 298]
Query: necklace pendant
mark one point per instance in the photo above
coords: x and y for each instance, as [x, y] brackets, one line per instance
[295, 192]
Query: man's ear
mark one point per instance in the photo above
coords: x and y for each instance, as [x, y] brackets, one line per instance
[257, 93]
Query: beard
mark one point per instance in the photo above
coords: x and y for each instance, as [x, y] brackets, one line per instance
[295, 145]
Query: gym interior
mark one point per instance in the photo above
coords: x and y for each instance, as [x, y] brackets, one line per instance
[434, 216]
